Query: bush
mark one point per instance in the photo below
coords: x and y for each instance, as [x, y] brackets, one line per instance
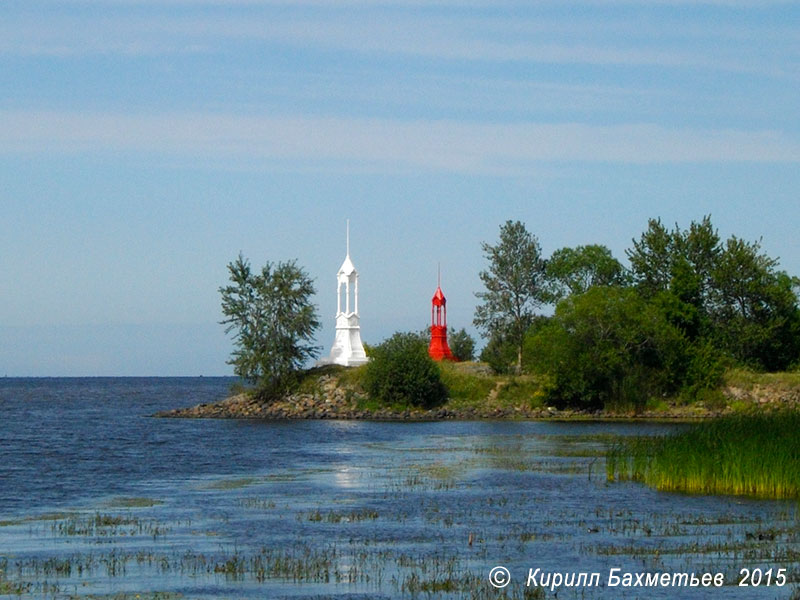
[462, 345]
[499, 354]
[400, 373]
[705, 372]
[606, 348]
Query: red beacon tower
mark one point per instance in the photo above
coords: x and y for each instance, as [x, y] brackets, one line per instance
[439, 350]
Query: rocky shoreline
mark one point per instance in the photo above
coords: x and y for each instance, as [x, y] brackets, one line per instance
[330, 397]
[332, 401]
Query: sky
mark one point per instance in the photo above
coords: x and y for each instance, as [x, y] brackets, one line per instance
[145, 144]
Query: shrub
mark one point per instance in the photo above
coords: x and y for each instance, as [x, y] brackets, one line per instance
[705, 372]
[499, 354]
[400, 373]
[606, 348]
[462, 345]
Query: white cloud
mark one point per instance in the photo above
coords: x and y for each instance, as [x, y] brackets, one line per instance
[455, 35]
[394, 145]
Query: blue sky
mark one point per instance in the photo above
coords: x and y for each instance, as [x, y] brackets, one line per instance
[144, 144]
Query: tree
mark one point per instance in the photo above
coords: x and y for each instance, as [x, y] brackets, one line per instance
[676, 269]
[651, 258]
[515, 286]
[755, 307]
[657, 255]
[575, 270]
[273, 321]
[499, 354]
[461, 344]
[728, 295]
[660, 256]
[400, 373]
[607, 347]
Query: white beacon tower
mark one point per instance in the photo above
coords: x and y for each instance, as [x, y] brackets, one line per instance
[347, 348]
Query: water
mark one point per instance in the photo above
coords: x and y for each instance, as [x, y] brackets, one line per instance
[99, 500]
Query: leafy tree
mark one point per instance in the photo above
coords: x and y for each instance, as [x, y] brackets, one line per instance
[575, 270]
[657, 256]
[652, 258]
[607, 347]
[755, 307]
[499, 354]
[400, 372]
[461, 344]
[676, 268]
[273, 321]
[515, 286]
[683, 303]
[705, 370]
[700, 246]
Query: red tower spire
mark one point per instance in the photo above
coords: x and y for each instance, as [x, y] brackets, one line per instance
[438, 349]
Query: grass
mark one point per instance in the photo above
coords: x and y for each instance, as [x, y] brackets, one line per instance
[130, 596]
[475, 392]
[230, 484]
[746, 379]
[754, 454]
[133, 502]
[105, 525]
[524, 390]
[471, 389]
[338, 517]
[465, 389]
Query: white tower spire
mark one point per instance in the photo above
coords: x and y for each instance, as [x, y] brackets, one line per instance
[347, 348]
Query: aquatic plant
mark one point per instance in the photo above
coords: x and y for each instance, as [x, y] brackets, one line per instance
[743, 454]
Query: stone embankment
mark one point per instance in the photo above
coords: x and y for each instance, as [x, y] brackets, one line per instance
[765, 395]
[331, 401]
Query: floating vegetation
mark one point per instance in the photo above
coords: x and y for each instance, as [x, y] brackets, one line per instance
[258, 503]
[129, 596]
[133, 502]
[338, 517]
[231, 484]
[35, 518]
[107, 525]
[16, 588]
[754, 454]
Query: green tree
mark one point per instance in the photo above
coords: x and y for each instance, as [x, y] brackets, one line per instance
[515, 285]
[730, 295]
[575, 270]
[462, 345]
[652, 258]
[755, 307]
[676, 269]
[273, 323]
[400, 373]
[499, 354]
[606, 348]
[659, 253]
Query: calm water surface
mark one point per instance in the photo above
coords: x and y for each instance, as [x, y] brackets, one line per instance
[99, 500]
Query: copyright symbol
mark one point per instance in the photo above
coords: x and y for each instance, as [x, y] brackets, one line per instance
[499, 577]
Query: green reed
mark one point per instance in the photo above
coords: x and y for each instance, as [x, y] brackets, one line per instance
[743, 454]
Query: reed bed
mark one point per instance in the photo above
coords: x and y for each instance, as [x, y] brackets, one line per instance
[744, 454]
